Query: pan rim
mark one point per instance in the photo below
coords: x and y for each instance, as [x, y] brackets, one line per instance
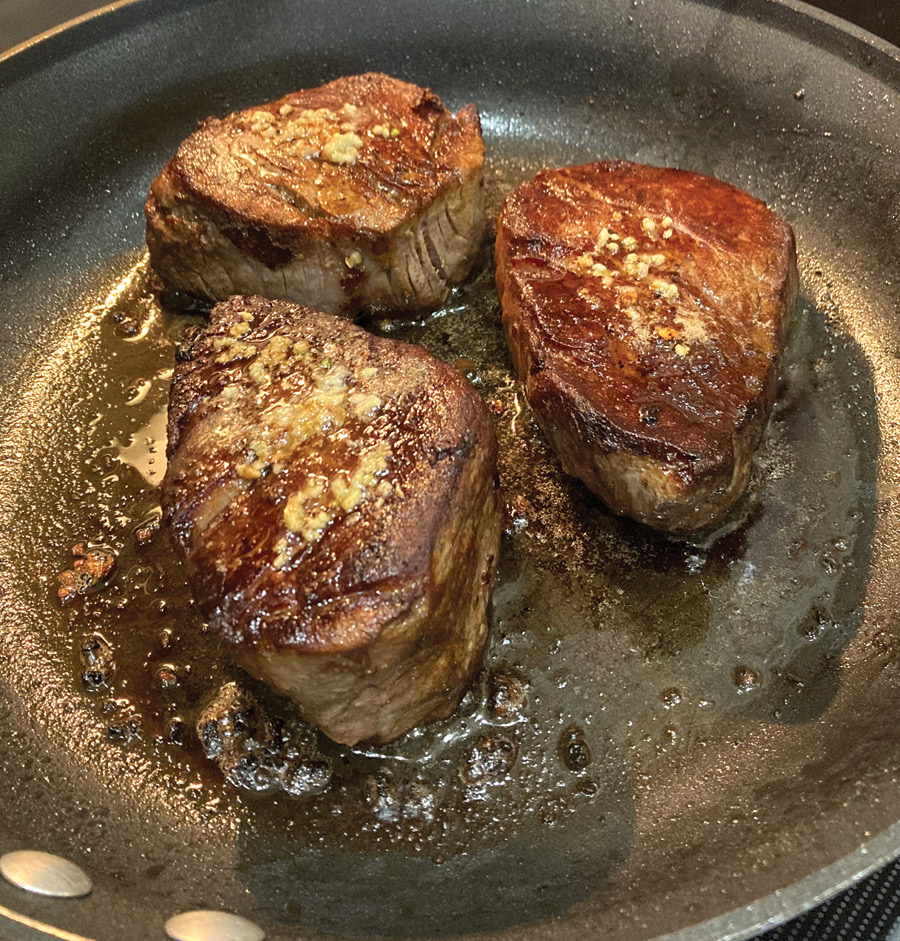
[63, 27]
[837, 23]
[764, 913]
[40, 41]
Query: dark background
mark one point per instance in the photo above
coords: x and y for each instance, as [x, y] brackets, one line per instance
[867, 912]
[881, 17]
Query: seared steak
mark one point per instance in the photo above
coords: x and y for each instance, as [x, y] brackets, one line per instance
[364, 193]
[334, 497]
[645, 310]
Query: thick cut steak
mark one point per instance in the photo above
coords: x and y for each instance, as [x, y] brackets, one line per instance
[363, 193]
[645, 310]
[334, 496]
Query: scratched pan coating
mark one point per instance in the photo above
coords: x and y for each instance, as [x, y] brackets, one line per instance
[701, 734]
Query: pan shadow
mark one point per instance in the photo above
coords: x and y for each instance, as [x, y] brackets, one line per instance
[537, 874]
[484, 822]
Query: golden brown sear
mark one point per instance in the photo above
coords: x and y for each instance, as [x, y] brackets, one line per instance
[334, 496]
[363, 193]
[645, 309]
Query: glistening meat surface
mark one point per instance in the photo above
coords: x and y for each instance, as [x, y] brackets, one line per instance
[365, 193]
[334, 496]
[645, 309]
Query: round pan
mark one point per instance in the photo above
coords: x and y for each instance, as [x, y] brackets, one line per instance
[734, 699]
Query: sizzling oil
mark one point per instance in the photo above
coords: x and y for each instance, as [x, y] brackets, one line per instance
[613, 650]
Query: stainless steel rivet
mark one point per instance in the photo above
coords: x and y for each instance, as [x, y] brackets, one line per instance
[212, 926]
[45, 874]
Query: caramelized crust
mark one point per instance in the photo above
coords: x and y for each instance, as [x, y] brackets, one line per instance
[334, 496]
[365, 192]
[645, 310]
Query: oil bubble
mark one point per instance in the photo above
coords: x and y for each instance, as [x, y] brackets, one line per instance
[573, 749]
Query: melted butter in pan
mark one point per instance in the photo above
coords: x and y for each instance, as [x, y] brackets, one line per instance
[614, 651]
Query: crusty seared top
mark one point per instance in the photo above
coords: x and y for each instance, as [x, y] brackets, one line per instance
[311, 466]
[362, 153]
[654, 298]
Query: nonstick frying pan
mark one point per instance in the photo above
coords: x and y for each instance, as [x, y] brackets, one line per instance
[708, 739]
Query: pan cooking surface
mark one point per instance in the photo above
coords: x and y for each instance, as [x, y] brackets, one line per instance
[665, 731]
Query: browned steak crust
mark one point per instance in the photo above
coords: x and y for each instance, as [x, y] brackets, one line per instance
[645, 310]
[363, 193]
[334, 496]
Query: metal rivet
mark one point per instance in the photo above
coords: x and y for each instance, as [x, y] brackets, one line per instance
[212, 926]
[45, 874]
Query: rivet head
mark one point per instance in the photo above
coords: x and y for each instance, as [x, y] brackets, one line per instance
[45, 874]
[212, 926]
